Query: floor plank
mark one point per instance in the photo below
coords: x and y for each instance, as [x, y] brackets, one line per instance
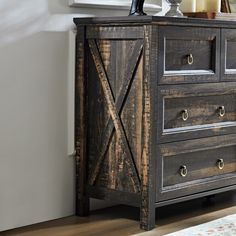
[123, 220]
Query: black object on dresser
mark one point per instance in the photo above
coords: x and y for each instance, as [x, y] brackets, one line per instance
[155, 111]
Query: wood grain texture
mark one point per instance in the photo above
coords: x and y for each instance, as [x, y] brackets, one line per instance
[147, 209]
[157, 20]
[178, 50]
[114, 114]
[228, 45]
[119, 32]
[82, 199]
[201, 110]
[177, 43]
[136, 82]
[199, 165]
[131, 199]
[202, 102]
[200, 156]
[109, 127]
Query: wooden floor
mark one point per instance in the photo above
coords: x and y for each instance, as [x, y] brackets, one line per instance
[123, 220]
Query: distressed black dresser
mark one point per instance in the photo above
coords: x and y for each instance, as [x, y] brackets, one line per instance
[155, 111]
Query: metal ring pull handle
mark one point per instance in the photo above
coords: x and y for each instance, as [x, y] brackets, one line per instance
[183, 171]
[190, 59]
[221, 111]
[220, 164]
[184, 115]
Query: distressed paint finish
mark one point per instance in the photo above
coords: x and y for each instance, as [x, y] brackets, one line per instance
[200, 156]
[82, 200]
[110, 100]
[147, 210]
[177, 43]
[228, 49]
[132, 85]
[126, 81]
[202, 102]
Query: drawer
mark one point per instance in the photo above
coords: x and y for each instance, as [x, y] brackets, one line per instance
[189, 167]
[198, 111]
[188, 55]
[228, 55]
[191, 111]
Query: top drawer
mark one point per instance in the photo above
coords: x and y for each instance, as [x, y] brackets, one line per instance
[228, 55]
[188, 55]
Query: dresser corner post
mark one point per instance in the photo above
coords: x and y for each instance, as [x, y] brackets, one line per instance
[82, 198]
[147, 211]
[147, 208]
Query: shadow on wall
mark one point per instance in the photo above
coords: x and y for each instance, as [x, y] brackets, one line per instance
[21, 18]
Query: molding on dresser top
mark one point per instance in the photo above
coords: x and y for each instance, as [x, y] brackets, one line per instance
[112, 4]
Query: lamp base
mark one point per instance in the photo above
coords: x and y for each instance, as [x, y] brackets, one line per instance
[174, 8]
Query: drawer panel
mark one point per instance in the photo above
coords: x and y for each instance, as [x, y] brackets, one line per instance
[198, 165]
[228, 54]
[188, 167]
[188, 55]
[200, 110]
[191, 111]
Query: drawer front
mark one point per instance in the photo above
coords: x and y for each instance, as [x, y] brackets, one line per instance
[191, 111]
[188, 55]
[228, 54]
[200, 110]
[189, 167]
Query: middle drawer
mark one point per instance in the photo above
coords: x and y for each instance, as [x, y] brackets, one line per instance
[192, 111]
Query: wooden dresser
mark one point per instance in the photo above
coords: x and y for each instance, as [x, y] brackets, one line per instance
[155, 111]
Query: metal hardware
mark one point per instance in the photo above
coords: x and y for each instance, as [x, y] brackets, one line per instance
[190, 59]
[221, 111]
[184, 115]
[220, 164]
[183, 171]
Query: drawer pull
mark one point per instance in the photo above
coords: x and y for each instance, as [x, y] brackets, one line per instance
[190, 59]
[221, 111]
[220, 164]
[183, 171]
[184, 115]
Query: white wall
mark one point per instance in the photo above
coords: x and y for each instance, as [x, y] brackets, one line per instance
[36, 174]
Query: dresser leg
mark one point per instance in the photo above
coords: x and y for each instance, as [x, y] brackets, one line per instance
[82, 207]
[147, 218]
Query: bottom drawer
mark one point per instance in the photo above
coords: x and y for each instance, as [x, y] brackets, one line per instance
[194, 166]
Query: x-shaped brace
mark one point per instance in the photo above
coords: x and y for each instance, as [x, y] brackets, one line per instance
[115, 109]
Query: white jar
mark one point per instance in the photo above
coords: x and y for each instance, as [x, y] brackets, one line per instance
[188, 6]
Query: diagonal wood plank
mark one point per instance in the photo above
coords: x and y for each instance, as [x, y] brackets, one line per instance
[114, 114]
[109, 128]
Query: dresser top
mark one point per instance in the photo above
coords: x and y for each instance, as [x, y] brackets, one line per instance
[142, 20]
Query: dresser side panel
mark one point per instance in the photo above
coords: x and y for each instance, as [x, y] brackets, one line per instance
[115, 108]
